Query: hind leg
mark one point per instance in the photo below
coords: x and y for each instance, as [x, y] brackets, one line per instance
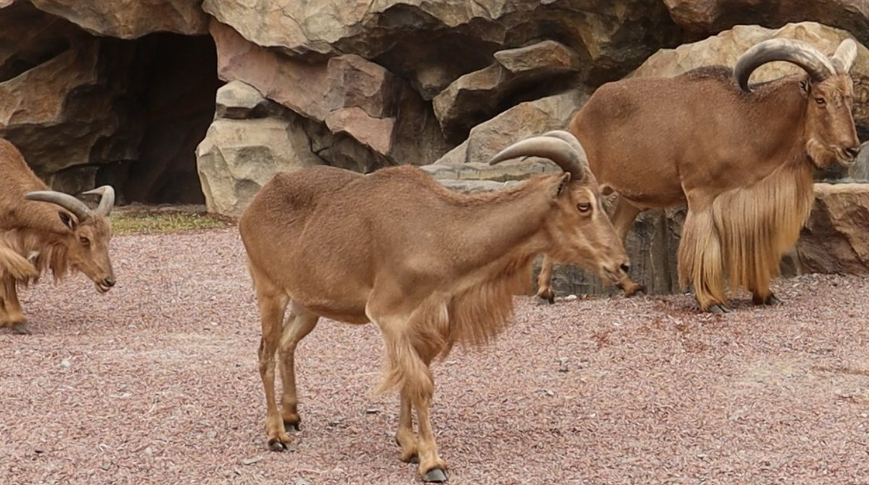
[298, 325]
[272, 304]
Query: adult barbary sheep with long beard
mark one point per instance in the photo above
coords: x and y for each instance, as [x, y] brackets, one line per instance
[743, 158]
[41, 229]
[430, 267]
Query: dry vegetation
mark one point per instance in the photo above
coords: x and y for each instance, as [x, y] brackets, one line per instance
[156, 383]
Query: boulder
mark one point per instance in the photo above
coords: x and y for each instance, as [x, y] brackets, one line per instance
[704, 17]
[130, 19]
[239, 156]
[525, 73]
[521, 121]
[433, 43]
[348, 94]
[836, 236]
[726, 47]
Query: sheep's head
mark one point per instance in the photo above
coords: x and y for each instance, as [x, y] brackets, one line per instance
[580, 231]
[827, 88]
[88, 233]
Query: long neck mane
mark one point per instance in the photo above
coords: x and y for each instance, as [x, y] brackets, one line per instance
[508, 233]
[51, 253]
[505, 222]
[757, 224]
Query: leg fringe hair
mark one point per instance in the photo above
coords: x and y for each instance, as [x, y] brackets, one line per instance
[744, 233]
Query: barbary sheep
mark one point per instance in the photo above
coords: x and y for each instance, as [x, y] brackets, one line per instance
[742, 158]
[41, 229]
[430, 267]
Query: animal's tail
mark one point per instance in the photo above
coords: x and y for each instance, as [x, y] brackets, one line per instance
[14, 264]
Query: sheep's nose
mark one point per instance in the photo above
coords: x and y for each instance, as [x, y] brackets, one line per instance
[626, 267]
[853, 151]
[110, 282]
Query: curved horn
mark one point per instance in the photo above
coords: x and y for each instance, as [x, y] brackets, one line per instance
[569, 138]
[845, 54]
[796, 52]
[68, 202]
[107, 199]
[563, 153]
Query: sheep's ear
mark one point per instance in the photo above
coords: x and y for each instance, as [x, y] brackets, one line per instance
[563, 181]
[67, 220]
[805, 87]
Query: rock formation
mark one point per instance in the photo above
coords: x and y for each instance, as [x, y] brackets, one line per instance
[126, 92]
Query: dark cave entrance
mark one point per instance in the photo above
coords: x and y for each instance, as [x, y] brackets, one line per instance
[169, 105]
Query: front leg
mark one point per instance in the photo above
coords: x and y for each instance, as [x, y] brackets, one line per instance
[405, 437]
[764, 298]
[544, 280]
[11, 314]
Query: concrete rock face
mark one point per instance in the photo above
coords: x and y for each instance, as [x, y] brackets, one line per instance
[87, 110]
[243, 151]
[129, 19]
[706, 17]
[126, 92]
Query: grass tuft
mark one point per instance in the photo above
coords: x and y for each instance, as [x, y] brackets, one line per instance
[146, 222]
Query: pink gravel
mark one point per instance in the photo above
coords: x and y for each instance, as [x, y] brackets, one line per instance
[156, 383]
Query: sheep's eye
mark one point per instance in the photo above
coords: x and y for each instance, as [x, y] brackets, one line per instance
[84, 241]
[820, 101]
[583, 206]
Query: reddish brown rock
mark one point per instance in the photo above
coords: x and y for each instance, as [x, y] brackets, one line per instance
[529, 72]
[129, 19]
[347, 93]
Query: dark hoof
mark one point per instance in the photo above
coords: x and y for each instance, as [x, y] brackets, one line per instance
[276, 445]
[21, 328]
[292, 427]
[544, 301]
[772, 300]
[718, 309]
[435, 475]
[546, 295]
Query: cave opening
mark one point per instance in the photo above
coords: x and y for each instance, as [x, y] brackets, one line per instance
[166, 108]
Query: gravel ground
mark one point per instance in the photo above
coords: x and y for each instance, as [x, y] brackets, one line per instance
[156, 383]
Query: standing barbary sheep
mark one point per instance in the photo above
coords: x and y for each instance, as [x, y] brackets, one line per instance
[742, 158]
[430, 267]
[62, 234]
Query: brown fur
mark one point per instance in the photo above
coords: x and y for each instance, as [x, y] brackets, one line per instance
[50, 232]
[430, 267]
[741, 160]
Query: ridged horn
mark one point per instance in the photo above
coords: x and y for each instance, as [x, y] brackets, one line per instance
[107, 199]
[570, 156]
[68, 202]
[845, 55]
[569, 138]
[796, 52]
